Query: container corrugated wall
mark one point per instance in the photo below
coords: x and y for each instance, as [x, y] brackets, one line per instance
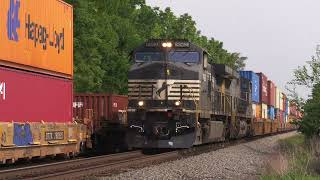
[263, 88]
[31, 97]
[281, 101]
[278, 92]
[264, 111]
[271, 94]
[106, 107]
[271, 113]
[254, 78]
[44, 40]
[284, 101]
[258, 111]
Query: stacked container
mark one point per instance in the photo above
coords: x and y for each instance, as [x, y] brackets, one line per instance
[277, 100]
[263, 89]
[271, 100]
[264, 100]
[36, 72]
[36, 68]
[255, 86]
[255, 89]
[281, 101]
[271, 113]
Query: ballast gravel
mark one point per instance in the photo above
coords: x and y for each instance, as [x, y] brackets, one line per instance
[244, 161]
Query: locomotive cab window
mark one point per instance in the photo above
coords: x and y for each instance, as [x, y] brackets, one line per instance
[148, 56]
[184, 56]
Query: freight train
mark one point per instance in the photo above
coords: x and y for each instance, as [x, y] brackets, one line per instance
[177, 99]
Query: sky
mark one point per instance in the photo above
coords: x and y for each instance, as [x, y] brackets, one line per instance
[277, 36]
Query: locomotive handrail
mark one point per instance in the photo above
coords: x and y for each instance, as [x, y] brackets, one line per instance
[138, 127]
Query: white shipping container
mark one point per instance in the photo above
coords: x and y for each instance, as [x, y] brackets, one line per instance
[254, 109]
[264, 111]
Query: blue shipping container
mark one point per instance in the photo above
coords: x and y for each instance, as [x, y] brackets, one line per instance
[255, 81]
[271, 112]
[276, 113]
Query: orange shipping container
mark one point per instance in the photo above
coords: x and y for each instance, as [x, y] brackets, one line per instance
[258, 111]
[37, 35]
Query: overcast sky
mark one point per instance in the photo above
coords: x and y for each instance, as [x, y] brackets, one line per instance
[276, 35]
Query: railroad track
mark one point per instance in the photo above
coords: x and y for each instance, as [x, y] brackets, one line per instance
[80, 168]
[109, 164]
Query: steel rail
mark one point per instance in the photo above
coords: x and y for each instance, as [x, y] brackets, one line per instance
[112, 164]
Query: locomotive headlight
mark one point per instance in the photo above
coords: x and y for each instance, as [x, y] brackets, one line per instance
[167, 44]
[177, 103]
[140, 103]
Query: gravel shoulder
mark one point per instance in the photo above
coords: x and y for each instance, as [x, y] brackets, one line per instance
[243, 161]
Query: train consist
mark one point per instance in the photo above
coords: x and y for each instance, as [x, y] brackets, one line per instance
[178, 99]
[36, 87]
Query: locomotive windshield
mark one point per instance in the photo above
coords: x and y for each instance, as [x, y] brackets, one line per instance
[174, 56]
[148, 56]
[184, 56]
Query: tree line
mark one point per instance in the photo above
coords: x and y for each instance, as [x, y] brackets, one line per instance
[106, 31]
[308, 76]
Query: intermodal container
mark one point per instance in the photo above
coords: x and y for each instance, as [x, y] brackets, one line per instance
[254, 109]
[271, 94]
[31, 97]
[277, 100]
[281, 117]
[37, 35]
[255, 84]
[107, 108]
[284, 101]
[271, 113]
[258, 111]
[264, 111]
[281, 101]
[277, 114]
[263, 88]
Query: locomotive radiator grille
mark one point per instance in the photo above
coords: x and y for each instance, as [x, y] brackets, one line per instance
[155, 89]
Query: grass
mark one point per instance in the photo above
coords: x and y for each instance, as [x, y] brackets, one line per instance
[300, 159]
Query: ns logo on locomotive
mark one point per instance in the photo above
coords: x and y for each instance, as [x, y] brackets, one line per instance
[177, 99]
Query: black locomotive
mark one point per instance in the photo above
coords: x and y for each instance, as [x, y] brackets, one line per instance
[177, 99]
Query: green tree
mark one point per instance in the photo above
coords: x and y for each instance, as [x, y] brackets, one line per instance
[106, 31]
[310, 124]
[308, 75]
